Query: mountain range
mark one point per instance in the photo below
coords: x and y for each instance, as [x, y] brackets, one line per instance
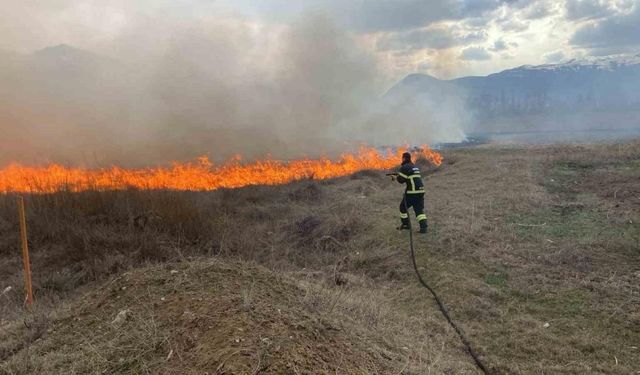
[608, 83]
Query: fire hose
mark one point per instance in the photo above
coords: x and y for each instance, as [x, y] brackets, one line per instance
[441, 306]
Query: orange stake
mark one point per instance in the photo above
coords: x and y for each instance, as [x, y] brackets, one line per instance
[25, 253]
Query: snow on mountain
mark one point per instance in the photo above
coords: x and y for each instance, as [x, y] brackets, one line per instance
[611, 63]
[601, 83]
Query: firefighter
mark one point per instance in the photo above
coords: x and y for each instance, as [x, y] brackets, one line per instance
[409, 174]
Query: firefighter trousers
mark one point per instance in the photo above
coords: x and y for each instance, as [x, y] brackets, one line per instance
[417, 202]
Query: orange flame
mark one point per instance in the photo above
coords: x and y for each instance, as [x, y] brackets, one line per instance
[200, 175]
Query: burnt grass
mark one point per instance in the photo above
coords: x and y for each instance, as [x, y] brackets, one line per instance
[535, 250]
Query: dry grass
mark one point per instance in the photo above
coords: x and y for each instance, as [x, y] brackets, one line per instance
[232, 317]
[519, 237]
[540, 245]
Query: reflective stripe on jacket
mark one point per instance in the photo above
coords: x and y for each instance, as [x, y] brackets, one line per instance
[410, 174]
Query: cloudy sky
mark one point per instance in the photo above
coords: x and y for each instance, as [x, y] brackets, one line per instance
[445, 38]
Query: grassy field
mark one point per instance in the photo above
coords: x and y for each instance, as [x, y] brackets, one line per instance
[535, 251]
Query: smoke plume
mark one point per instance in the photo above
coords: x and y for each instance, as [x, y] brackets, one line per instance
[168, 89]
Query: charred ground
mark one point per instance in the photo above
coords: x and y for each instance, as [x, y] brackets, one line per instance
[534, 250]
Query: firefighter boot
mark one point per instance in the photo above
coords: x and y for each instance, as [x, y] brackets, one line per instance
[404, 224]
[423, 226]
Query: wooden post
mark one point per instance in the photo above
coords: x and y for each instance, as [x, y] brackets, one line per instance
[25, 253]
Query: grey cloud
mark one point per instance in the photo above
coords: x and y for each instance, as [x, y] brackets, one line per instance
[520, 13]
[586, 9]
[538, 10]
[478, 21]
[385, 15]
[499, 45]
[436, 38]
[475, 54]
[614, 50]
[514, 25]
[554, 57]
[616, 31]
[478, 7]
[519, 4]
[418, 39]
[471, 8]
[473, 37]
[379, 15]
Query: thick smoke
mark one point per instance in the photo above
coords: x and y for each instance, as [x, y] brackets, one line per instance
[177, 89]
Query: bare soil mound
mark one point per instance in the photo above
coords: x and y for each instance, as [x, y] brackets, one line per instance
[200, 317]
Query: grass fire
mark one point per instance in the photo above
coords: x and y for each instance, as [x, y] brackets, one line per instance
[319, 187]
[201, 175]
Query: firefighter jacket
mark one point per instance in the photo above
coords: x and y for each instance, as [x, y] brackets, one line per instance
[410, 174]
